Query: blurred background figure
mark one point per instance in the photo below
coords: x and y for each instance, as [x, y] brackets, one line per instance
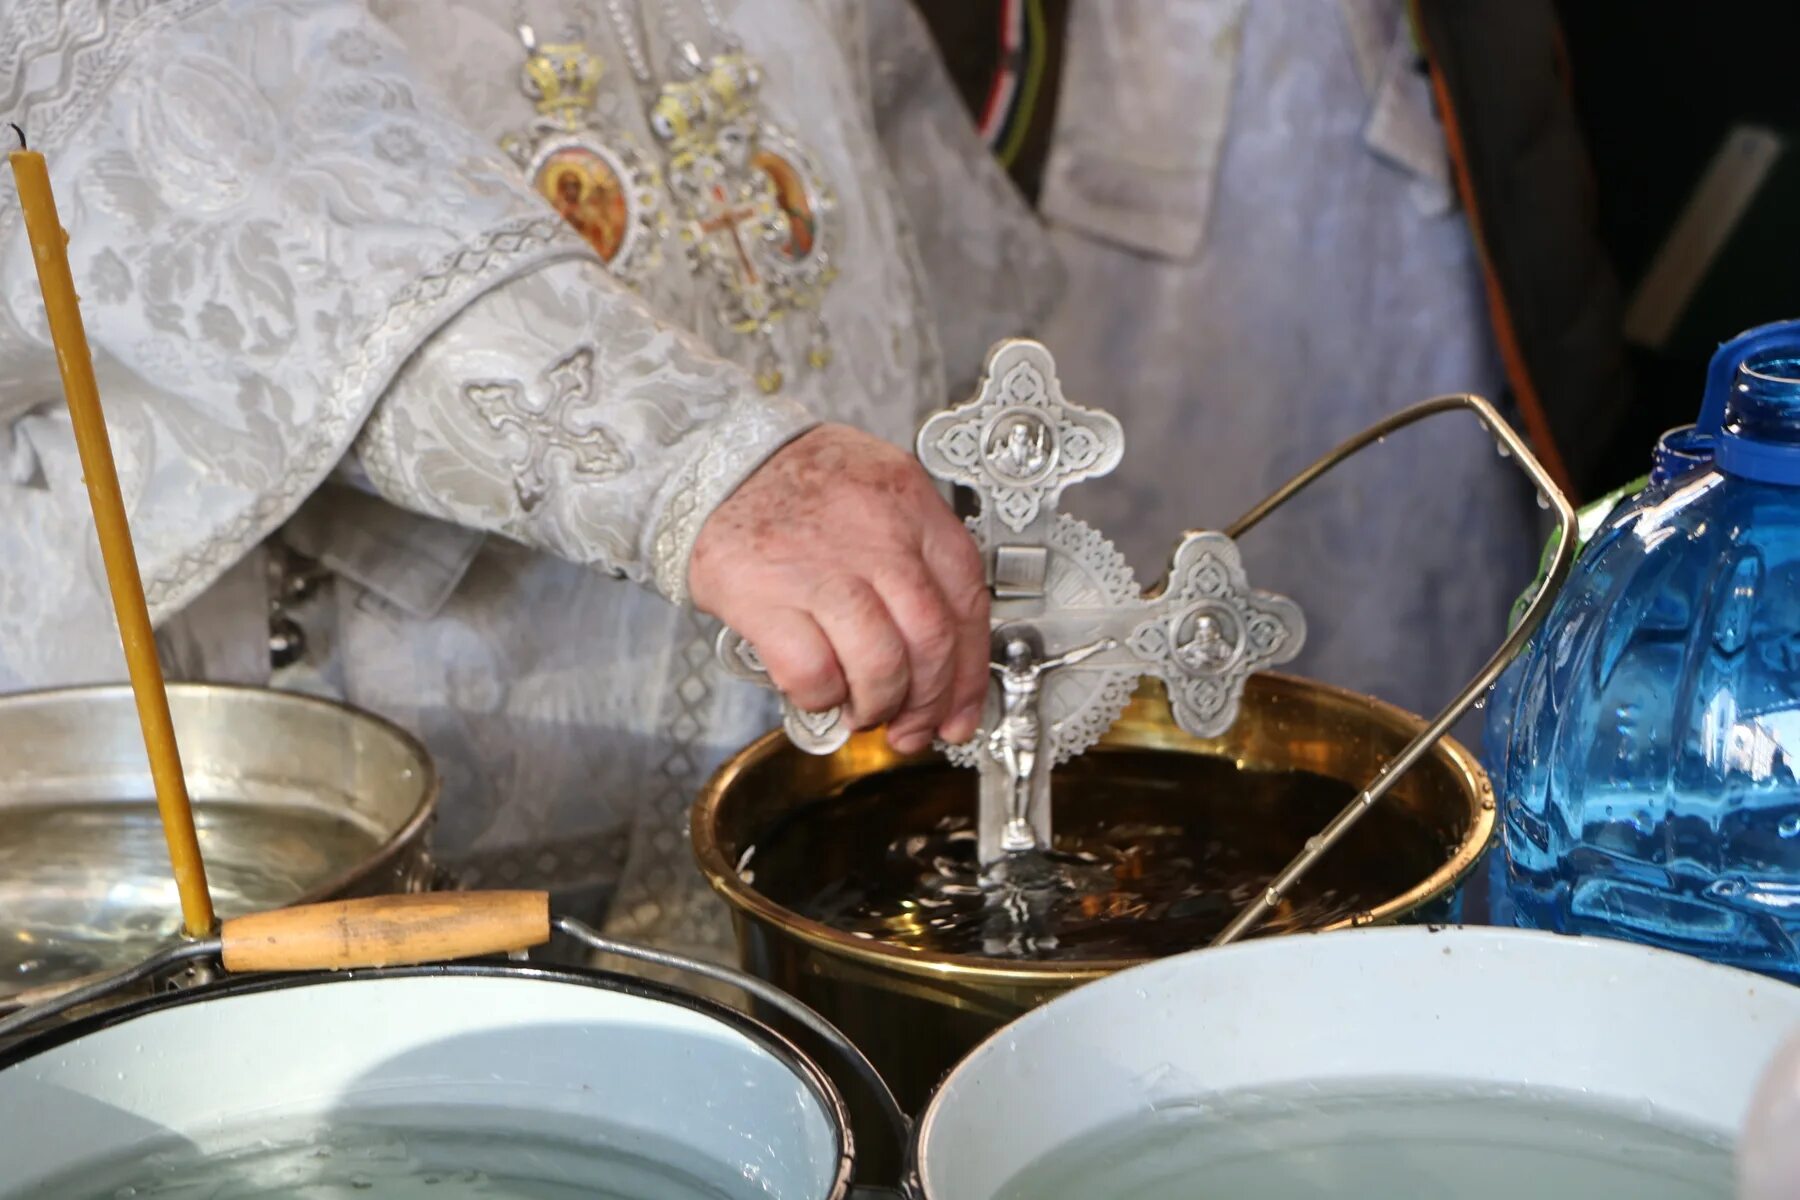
[1256, 213]
[1282, 221]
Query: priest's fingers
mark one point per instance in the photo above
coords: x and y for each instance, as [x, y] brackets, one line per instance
[798, 657]
[962, 578]
[868, 646]
[929, 629]
[837, 524]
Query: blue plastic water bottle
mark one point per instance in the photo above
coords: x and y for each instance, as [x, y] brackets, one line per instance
[1646, 746]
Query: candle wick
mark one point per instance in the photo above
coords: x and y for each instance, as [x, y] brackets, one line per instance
[23, 144]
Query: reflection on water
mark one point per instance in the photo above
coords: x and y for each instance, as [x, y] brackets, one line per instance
[386, 1162]
[87, 887]
[1392, 1142]
[1154, 854]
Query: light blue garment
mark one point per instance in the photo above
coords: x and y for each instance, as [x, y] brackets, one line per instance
[1331, 287]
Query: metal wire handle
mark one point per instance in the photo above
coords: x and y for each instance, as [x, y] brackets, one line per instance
[210, 948]
[1560, 563]
[769, 994]
[30, 1014]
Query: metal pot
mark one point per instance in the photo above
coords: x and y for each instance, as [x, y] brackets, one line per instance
[916, 1014]
[1420, 1012]
[296, 799]
[497, 1061]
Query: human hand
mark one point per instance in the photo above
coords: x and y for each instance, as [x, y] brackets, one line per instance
[840, 563]
[1768, 1150]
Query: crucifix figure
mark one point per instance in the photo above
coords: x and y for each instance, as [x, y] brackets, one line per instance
[1014, 742]
[1066, 601]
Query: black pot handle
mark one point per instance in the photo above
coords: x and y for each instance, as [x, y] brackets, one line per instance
[773, 996]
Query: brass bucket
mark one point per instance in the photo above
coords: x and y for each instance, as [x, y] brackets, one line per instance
[915, 1014]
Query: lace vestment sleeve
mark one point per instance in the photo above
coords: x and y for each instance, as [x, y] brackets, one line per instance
[557, 411]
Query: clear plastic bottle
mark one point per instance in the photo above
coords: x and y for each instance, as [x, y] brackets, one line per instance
[1503, 698]
[1677, 452]
[1645, 746]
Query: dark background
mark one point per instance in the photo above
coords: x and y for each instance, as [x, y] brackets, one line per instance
[1658, 85]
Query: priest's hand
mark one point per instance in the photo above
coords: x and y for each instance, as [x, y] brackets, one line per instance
[840, 563]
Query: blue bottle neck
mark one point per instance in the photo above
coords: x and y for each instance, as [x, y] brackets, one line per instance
[1760, 438]
[1679, 451]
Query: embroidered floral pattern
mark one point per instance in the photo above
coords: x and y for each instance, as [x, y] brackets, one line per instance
[290, 224]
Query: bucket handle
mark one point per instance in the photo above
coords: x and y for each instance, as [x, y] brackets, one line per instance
[769, 994]
[385, 931]
[372, 931]
[33, 1011]
[1562, 560]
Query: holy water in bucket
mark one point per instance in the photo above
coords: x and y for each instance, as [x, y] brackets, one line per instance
[397, 1162]
[1154, 853]
[1393, 1141]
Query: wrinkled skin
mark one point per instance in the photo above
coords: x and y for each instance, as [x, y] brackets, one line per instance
[840, 563]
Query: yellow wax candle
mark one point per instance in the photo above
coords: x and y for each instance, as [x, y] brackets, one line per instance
[49, 247]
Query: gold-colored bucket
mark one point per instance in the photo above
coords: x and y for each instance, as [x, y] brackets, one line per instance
[916, 1014]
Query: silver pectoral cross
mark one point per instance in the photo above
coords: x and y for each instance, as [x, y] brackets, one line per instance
[1074, 632]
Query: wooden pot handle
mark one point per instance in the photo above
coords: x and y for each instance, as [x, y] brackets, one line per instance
[386, 931]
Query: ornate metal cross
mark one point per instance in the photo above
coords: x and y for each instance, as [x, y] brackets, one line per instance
[1073, 631]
